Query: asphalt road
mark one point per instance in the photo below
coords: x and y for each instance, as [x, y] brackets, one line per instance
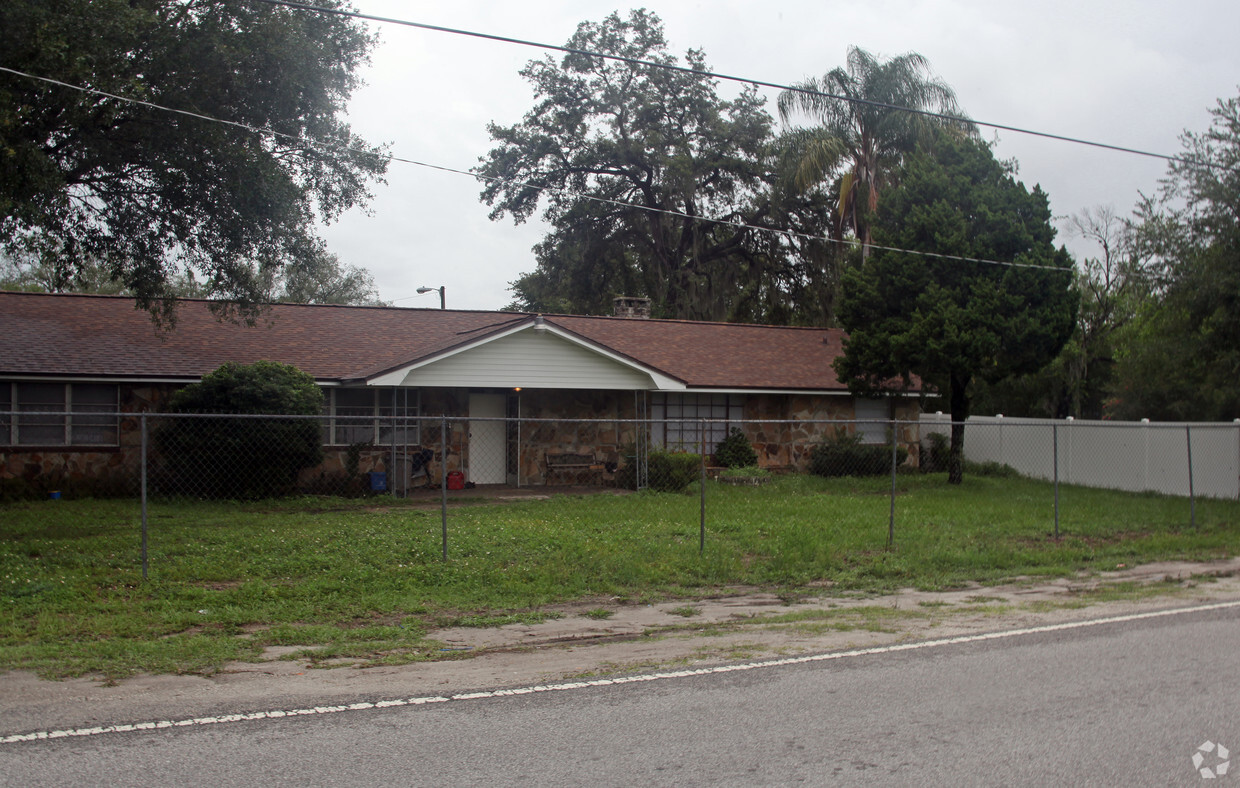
[1115, 704]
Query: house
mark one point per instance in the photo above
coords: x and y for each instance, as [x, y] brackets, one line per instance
[531, 384]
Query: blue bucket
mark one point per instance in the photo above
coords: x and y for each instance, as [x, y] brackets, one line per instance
[378, 481]
[54, 495]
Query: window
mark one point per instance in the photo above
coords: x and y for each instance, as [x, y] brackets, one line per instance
[369, 415]
[405, 404]
[59, 414]
[354, 416]
[678, 420]
[94, 420]
[872, 417]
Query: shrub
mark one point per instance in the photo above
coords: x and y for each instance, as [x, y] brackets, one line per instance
[844, 454]
[667, 471]
[734, 451]
[241, 458]
[990, 468]
[934, 459]
[673, 471]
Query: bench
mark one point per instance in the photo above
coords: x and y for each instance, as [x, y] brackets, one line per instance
[571, 463]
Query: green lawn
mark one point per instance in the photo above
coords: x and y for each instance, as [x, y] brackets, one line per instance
[365, 578]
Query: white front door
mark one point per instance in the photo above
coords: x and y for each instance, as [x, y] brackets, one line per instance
[487, 463]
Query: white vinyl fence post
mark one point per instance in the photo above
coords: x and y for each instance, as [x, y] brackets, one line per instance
[1055, 451]
[999, 421]
[1068, 474]
[1145, 431]
[1192, 499]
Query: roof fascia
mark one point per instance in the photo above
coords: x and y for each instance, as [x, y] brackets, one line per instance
[80, 378]
[813, 392]
[137, 379]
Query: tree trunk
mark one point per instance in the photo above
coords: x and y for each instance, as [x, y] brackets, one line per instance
[959, 399]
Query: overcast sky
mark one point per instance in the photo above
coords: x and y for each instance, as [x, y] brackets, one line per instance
[1134, 73]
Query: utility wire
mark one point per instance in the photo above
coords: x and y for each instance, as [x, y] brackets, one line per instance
[335, 149]
[743, 80]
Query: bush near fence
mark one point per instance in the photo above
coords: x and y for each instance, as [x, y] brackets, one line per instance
[673, 471]
[845, 455]
[735, 451]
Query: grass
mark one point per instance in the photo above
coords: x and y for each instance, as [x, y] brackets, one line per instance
[747, 472]
[364, 581]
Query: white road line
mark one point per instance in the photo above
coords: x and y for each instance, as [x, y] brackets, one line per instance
[575, 685]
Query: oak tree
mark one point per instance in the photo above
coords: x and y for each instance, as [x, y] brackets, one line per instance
[651, 182]
[92, 174]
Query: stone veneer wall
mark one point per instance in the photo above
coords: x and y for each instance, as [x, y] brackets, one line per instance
[606, 438]
[786, 445]
[789, 445]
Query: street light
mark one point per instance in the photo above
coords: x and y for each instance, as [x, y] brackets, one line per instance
[442, 302]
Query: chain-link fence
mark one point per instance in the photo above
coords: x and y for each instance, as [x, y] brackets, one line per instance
[726, 464]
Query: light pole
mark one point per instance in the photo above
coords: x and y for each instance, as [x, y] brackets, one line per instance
[442, 302]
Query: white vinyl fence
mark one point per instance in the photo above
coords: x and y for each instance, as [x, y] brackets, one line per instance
[1135, 456]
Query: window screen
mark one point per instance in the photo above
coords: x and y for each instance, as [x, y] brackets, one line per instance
[6, 418]
[407, 405]
[366, 416]
[872, 417]
[354, 416]
[59, 414]
[94, 419]
[40, 414]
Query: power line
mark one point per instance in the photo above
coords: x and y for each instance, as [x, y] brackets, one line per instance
[742, 80]
[334, 149]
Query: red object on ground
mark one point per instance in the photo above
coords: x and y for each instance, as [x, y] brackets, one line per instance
[456, 480]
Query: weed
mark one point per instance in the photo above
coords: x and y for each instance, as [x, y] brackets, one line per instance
[687, 611]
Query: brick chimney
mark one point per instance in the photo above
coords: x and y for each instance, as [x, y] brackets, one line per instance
[632, 306]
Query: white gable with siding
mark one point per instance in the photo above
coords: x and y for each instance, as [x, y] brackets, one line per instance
[533, 355]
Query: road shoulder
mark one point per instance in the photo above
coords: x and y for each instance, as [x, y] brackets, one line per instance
[609, 637]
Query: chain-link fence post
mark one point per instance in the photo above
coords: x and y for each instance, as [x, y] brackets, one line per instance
[443, 481]
[702, 486]
[391, 466]
[891, 517]
[142, 421]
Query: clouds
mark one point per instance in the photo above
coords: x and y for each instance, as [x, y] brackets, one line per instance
[1134, 73]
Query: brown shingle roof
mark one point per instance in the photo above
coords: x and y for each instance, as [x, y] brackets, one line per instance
[104, 336]
[720, 355]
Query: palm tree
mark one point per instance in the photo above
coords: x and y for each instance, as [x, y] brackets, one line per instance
[860, 130]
